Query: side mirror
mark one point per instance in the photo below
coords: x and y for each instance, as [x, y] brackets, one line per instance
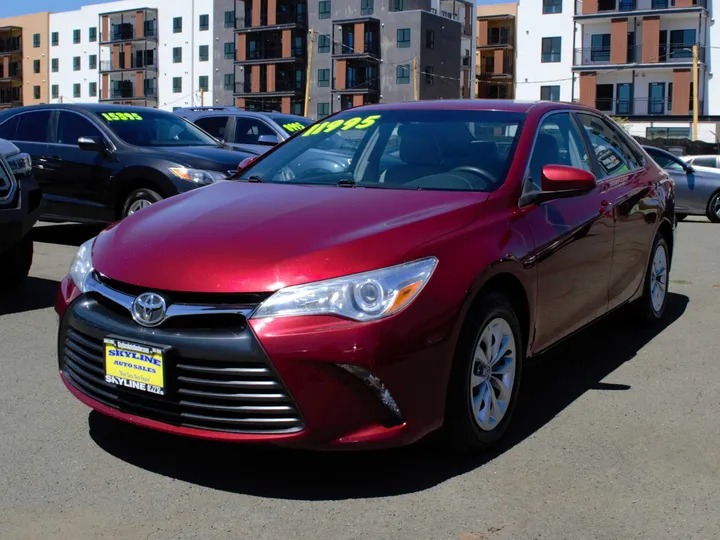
[689, 169]
[560, 182]
[268, 139]
[93, 144]
[244, 164]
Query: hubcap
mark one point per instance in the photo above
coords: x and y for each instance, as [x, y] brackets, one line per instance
[716, 206]
[658, 278]
[493, 374]
[138, 205]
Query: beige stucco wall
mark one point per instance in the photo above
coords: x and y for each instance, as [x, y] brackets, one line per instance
[36, 23]
[497, 9]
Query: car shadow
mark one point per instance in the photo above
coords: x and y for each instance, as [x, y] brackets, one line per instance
[65, 234]
[582, 362]
[34, 293]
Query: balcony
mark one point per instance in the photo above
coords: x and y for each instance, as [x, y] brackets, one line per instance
[132, 25]
[14, 73]
[10, 45]
[673, 53]
[282, 86]
[356, 85]
[613, 7]
[348, 49]
[496, 38]
[641, 106]
[287, 14]
[486, 69]
[128, 92]
[10, 97]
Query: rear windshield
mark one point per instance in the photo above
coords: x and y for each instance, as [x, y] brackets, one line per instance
[149, 127]
[401, 149]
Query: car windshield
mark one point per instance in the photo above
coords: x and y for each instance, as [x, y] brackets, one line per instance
[149, 127]
[292, 124]
[398, 149]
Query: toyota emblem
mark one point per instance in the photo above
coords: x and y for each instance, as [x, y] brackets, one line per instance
[149, 309]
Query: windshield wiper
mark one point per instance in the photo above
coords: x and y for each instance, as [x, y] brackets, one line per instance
[346, 182]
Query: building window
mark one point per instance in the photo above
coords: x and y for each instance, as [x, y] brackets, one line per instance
[76, 63]
[92, 34]
[36, 92]
[600, 48]
[324, 12]
[552, 6]
[55, 65]
[230, 50]
[203, 83]
[177, 85]
[429, 75]
[55, 39]
[656, 101]
[55, 89]
[177, 25]
[92, 89]
[324, 43]
[551, 49]
[397, 5]
[681, 43]
[92, 61]
[323, 77]
[204, 53]
[366, 7]
[667, 133]
[550, 93]
[76, 36]
[36, 41]
[204, 22]
[323, 110]
[430, 39]
[229, 19]
[403, 38]
[177, 55]
[77, 92]
[229, 82]
[402, 74]
[36, 66]
[624, 100]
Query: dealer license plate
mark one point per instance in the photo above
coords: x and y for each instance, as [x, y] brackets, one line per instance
[131, 365]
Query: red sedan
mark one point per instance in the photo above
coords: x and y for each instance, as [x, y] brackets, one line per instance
[393, 290]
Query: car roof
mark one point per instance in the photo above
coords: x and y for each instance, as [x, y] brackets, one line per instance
[82, 107]
[507, 105]
[231, 110]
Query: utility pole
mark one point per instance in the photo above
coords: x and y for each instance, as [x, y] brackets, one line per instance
[309, 72]
[695, 92]
[415, 79]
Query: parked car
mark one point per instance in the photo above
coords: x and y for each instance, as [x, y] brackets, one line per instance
[19, 209]
[245, 130]
[371, 306]
[705, 160]
[99, 163]
[697, 188]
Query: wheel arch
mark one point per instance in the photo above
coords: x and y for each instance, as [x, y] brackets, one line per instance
[134, 178]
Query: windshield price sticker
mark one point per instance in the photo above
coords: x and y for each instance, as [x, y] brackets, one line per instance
[294, 126]
[343, 125]
[112, 117]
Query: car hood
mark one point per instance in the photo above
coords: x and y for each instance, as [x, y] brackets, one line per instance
[202, 157]
[245, 237]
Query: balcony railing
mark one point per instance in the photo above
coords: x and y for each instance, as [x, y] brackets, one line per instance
[10, 45]
[135, 63]
[128, 32]
[356, 85]
[272, 53]
[632, 5]
[280, 86]
[15, 73]
[10, 95]
[281, 18]
[129, 93]
[673, 52]
[371, 48]
[647, 106]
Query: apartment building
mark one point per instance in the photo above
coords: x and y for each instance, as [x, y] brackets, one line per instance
[495, 51]
[24, 60]
[153, 54]
[629, 58]
[363, 51]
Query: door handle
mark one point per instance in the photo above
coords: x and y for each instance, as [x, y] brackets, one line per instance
[56, 158]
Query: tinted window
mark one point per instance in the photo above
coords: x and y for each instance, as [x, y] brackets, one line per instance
[612, 153]
[33, 127]
[72, 126]
[148, 127]
[707, 161]
[558, 143]
[289, 122]
[8, 128]
[214, 125]
[665, 160]
[248, 130]
[399, 149]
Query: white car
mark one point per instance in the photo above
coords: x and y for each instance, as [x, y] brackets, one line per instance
[705, 160]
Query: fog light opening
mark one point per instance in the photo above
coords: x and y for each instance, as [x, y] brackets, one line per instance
[377, 387]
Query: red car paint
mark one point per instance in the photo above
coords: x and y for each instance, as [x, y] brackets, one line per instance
[570, 260]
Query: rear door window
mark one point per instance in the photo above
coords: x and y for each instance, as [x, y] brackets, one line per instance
[34, 127]
[706, 161]
[214, 125]
[72, 126]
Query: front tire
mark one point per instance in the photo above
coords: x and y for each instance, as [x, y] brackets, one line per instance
[15, 263]
[139, 199]
[485, 377]
[657, 279]
[713, 208]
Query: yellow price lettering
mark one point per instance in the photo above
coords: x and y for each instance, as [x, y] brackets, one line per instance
[315, 129]
[369, 121]
[136, 116]
[349, 124]
[333, 126]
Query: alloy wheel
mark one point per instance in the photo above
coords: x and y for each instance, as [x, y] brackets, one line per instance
[658, 278]
[138, 205]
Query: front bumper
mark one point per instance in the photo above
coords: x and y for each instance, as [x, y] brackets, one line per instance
[20, 214]
[324, 406]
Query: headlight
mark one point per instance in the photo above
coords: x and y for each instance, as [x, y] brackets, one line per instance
[20, 164]
[362, 297]
[81, 265]
[196, 175]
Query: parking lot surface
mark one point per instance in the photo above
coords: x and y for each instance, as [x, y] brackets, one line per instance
[617, 437]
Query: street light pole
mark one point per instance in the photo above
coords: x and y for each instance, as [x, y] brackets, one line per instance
[695, 92]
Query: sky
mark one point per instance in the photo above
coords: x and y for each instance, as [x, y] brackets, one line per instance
[10, 8]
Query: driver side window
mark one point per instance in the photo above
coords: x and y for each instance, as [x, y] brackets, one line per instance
[666, 161]
[558, 143]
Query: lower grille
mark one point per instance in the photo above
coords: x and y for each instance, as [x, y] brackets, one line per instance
[228, 396]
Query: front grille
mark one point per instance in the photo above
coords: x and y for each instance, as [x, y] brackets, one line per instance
[230, 396]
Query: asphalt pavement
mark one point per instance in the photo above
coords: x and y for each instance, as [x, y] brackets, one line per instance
[617, 437]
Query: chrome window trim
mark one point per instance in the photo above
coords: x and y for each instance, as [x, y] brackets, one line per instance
[92, 285]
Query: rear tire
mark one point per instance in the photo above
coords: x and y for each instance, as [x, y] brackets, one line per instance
[713, 208]
[653, 302]
[15, 263]
[139, 199]
[485, 376]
